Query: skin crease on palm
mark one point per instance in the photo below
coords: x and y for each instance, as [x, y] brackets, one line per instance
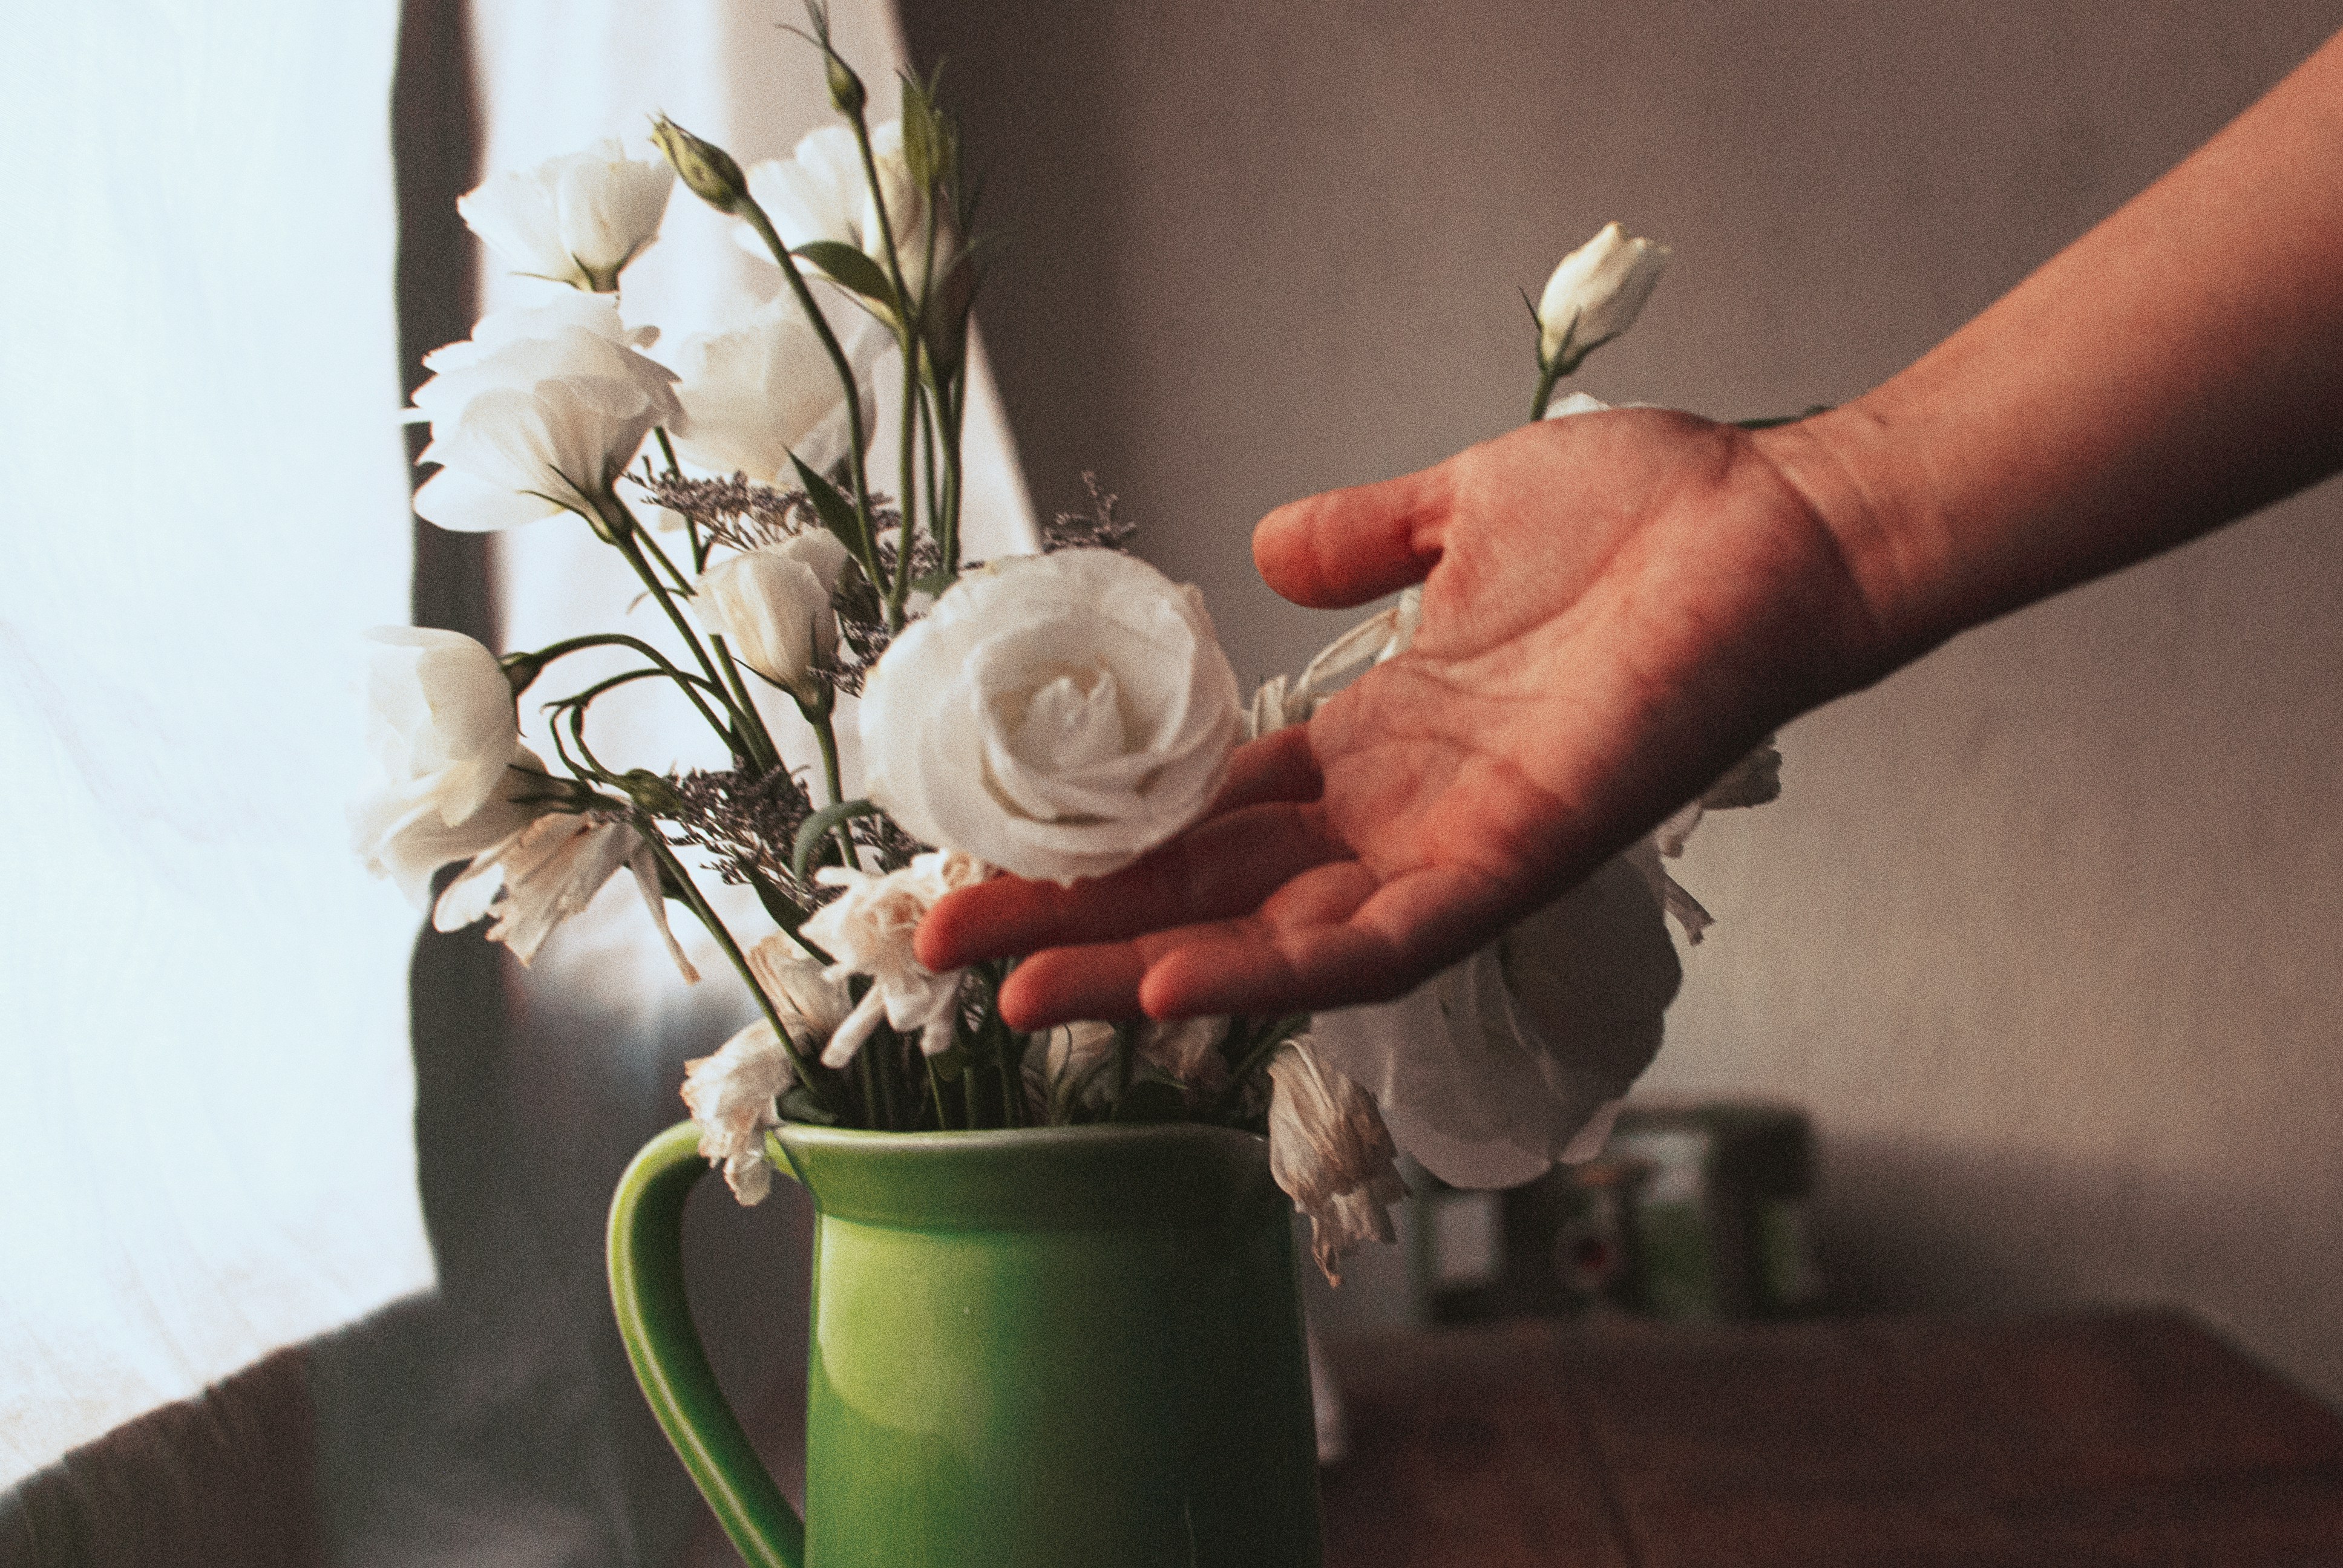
[1618, 605]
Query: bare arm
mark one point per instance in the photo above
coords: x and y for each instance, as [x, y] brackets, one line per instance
[1616, 605]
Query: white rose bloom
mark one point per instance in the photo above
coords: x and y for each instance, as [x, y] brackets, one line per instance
[773, 608]
[1330, 1152]
[1496, 1068]
[1056, 716]
[763, 388]
[1595, 295]
[730, 1094]
[868, 930]
[538, 412]
[577, 219]
[547, 871]
[441, 726]
[819, 193]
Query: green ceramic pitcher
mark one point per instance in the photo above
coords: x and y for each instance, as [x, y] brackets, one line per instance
[1056, 1348]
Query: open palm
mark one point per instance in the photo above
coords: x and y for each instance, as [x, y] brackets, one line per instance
[1616, 605]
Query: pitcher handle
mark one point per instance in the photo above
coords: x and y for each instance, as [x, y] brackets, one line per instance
[646, 1260]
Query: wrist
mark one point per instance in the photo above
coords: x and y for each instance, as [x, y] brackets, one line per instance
[1871, 497]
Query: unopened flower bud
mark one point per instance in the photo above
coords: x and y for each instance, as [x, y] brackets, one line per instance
[1595, 295]
[654, 792]
[707, 169]
[846, 88]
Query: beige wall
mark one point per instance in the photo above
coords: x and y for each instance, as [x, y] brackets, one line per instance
[2044, 931]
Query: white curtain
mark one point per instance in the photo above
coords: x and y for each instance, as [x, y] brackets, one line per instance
[205, 1080]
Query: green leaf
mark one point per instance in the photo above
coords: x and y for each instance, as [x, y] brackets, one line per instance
[837, 513]
[952, 1063]
[1151, 1100]
[847, 266]
[818, 826]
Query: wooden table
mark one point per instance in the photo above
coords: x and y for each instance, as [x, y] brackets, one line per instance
[2129, 1438]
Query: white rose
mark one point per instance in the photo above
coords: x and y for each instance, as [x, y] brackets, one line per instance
[772, 606]
[441, 726]
[1056, 716]
[1595, 295]
[763, 388]
[1498, 1067]
[577, 219]
[538, 412]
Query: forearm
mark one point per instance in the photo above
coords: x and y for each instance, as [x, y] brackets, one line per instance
[2178, 366]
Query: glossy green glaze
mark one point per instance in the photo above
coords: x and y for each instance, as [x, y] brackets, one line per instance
[1061, 1348]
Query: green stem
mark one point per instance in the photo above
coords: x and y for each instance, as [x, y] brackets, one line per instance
[817, 717]
[623, 531]
[905, 537]
[936, 1092]
[1279, 1032]
[698, 903]
[1547, 375]
[689, 683]
[757, 220]
[865, 1072]
[760, 740]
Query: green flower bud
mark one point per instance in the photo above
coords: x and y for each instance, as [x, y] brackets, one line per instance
[703, 166]
[846, 88]
[654, 792]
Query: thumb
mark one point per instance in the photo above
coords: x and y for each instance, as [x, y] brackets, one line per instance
[1347, 546]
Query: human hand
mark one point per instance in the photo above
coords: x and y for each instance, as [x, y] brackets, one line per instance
[1616, 606]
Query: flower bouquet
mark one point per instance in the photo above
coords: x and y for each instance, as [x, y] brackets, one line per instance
[1053, 715]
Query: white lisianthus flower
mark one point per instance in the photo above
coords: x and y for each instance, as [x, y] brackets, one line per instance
[1381, 636]
[772, 606]
[1754, 780]
[441, 726]
[763, 388]
[868, 927]
[1056, 716]
[819, 193]
[1595, 295]
[1070, 1070]
[577, 219]
[1576, 403]
[730, 1094]
[1330, 1152]
[799, 986]
[547, 871]
[1498, 1067]
[539, 412]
